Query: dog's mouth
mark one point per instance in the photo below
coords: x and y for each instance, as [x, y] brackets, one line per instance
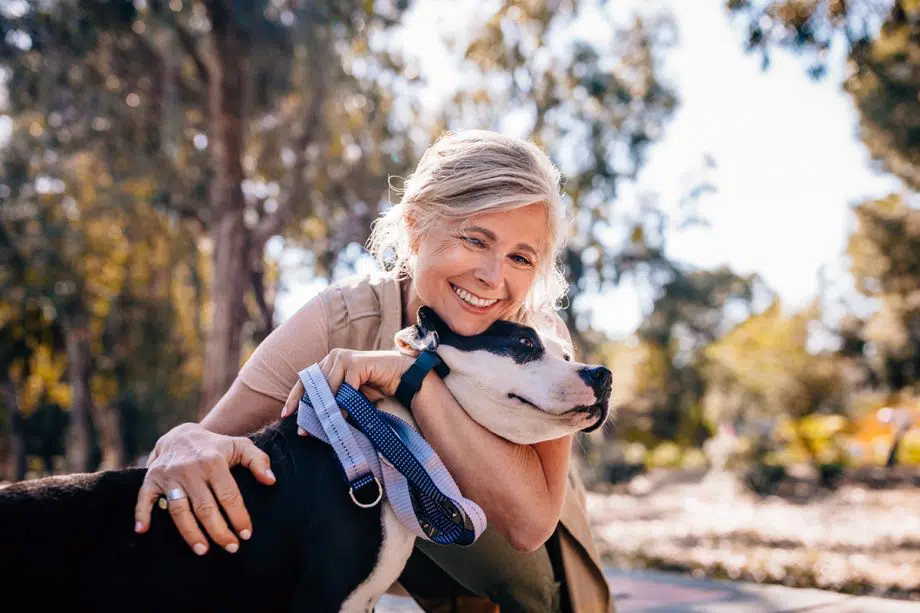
[595, 410]
[524, 400]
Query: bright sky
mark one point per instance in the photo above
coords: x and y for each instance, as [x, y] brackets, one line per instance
[789, 164]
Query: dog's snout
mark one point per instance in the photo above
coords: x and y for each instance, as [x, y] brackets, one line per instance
[599, 378]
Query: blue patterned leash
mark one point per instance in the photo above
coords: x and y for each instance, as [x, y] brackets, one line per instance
[385, 449]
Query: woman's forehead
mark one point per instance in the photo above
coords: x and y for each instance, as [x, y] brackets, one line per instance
[529, 224]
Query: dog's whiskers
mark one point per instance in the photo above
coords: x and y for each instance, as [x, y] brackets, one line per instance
[581, 443]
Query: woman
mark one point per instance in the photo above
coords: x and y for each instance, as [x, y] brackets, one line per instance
[475, 236]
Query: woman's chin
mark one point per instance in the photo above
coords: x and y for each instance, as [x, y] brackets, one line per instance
[464, 326]
[467, 328]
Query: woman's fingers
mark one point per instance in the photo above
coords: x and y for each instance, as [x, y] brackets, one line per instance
[182, 516]
[205, 509]
[228, 496]
[246, 453]
[371, 393]
[146, 498]
[333, 367]
[293, 400]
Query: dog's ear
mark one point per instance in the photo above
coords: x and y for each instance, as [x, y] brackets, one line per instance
[423, 336]
[429, 320]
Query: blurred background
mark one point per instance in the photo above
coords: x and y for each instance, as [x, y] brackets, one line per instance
[177, 177]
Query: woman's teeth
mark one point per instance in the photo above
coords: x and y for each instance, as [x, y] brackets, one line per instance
[471, 299]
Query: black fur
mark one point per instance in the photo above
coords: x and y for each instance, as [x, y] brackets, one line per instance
[68, 543]
[519, 342]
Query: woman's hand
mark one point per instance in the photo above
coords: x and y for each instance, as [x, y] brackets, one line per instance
[375, 374]
[197, 462]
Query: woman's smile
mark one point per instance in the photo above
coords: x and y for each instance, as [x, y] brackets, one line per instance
[477, 303]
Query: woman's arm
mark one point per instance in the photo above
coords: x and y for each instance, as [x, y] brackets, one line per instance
[241, 410]
[257, 395]
[520, 487]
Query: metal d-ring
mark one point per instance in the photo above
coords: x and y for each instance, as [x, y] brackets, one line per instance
[351, 492]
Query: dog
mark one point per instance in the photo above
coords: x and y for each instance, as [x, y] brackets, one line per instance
[67, 543]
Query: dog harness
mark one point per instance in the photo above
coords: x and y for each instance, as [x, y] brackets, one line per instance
[382, 454]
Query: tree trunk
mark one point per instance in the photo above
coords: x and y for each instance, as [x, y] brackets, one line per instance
[109, 432]
[79, 367]
[229, 236]
[265, 300]
[17, 435]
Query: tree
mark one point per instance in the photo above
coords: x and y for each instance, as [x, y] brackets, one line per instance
[25, 329]
[763, 370]
[207, 98]
[883, 63]
[884, 254]
[694, 309]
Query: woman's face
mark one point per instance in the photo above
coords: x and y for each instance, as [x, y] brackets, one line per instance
[477, 273]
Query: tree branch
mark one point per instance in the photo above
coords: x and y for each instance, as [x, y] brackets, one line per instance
[188, 43]
[272, 224]
[266, 311]
[186, 39]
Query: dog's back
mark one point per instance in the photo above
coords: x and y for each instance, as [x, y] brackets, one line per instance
[67, 543]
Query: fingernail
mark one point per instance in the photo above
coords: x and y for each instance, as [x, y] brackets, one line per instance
[200, 549]
[138, 526]
[269, 474]
[245, 534]
[232, 547]
[301, 431]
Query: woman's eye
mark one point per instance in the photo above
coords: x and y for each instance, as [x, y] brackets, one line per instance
[520, 259]
[473, 241]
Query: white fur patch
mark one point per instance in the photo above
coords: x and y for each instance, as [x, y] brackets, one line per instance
[482, 382]
[394, 553]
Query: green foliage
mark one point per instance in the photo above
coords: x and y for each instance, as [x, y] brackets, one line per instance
[884, 253]
[762, 370]
[883, 63]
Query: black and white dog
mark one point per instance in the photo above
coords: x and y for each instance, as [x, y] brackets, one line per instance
[67, 543]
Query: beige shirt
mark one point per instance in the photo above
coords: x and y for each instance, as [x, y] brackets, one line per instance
[364, 313]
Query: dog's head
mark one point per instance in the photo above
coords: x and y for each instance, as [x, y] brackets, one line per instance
[514, 382]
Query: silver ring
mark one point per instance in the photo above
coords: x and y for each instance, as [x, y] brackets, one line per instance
[175, 494]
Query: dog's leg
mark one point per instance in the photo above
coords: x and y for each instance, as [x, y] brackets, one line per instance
[394, 553]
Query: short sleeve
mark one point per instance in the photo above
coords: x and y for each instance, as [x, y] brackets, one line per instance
[299, 342]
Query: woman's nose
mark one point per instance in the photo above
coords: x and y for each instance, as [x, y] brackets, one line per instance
[490, 271]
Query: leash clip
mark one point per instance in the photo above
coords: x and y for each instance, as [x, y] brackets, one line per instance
[366, 505]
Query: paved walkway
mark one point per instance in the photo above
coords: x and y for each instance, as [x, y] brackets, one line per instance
[654, 592]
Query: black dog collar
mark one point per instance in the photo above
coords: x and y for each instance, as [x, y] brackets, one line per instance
[411, 380]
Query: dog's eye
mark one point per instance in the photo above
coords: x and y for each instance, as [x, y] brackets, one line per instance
[567, 358]
[526, 342]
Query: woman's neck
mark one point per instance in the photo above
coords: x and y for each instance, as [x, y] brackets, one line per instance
[410, 301]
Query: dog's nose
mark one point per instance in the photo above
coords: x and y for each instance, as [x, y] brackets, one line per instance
[599, 378]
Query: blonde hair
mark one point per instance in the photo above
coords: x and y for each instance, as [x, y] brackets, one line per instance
[468, 173]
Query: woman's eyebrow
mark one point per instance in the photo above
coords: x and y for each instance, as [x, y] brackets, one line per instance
[489, 234]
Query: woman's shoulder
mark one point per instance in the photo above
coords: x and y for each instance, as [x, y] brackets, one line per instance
[360, 296]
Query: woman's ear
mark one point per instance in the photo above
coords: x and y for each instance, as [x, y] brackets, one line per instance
[414, 236]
